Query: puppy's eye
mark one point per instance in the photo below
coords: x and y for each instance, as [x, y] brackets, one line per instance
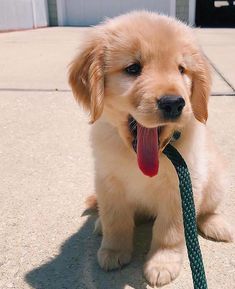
[134, 69]
[181, 69]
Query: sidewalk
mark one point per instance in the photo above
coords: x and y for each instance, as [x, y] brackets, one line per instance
[47, 169]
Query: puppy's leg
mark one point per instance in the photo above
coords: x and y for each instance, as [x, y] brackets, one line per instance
[98, 227]
[215, 226]
[211, 223]
[117, 221]
[166, 253]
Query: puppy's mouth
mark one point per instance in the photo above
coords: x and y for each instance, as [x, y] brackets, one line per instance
[146, 143]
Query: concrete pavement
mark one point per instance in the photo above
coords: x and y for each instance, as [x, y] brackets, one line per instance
[219, 46]
[47, 169]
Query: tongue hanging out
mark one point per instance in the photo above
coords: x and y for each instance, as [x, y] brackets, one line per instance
[147, 150]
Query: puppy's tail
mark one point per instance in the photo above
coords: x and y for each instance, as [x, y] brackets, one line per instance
[91, 202]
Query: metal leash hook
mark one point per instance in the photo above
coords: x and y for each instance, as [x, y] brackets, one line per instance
[189, 217]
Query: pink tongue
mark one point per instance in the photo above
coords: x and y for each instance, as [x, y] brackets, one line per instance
[147, 150]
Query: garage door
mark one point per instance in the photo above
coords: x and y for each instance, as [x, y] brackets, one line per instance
[90, 12]
[22, 14]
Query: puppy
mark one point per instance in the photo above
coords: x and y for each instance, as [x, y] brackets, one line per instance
[143, 77]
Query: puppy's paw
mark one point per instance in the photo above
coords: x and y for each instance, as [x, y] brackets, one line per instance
[214, 226]
[113, 259]
[163, 267]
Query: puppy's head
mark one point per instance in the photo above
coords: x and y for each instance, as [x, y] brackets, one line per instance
[142, 70]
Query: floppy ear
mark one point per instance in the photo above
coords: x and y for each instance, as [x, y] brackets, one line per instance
[86, 77]
[201, 87]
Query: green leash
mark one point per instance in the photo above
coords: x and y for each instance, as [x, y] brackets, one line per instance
[189, 217]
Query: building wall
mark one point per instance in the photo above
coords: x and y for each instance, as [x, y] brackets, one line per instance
[52, 10]
[24, 14]
[90, 12]
[182, 10]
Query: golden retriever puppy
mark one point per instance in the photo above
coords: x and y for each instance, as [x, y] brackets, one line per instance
[145, 81]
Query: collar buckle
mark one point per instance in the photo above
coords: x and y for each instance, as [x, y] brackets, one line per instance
[176, 135]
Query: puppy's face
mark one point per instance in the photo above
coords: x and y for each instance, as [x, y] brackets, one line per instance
[145, 70]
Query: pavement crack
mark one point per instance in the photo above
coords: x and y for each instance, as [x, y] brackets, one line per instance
[35, 89]
[220, 74]
[223, 94]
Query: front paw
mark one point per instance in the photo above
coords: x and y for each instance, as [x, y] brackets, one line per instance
[163, 267]
[112, 259]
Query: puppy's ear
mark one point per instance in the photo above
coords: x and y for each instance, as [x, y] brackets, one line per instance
[201, 87]
[86, 77]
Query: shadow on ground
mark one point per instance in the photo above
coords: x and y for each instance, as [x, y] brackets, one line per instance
[76, 266]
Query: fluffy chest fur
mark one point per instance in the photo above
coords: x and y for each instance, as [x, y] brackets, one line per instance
[116, 167]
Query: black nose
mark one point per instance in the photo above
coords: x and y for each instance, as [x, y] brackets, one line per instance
[171, 106]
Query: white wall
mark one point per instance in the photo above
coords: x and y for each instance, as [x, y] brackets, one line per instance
[23, 14]
[90, 12]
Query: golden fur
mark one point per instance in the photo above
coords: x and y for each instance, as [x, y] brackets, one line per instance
[161, 44]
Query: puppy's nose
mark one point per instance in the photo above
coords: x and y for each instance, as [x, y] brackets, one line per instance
[171, 105]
